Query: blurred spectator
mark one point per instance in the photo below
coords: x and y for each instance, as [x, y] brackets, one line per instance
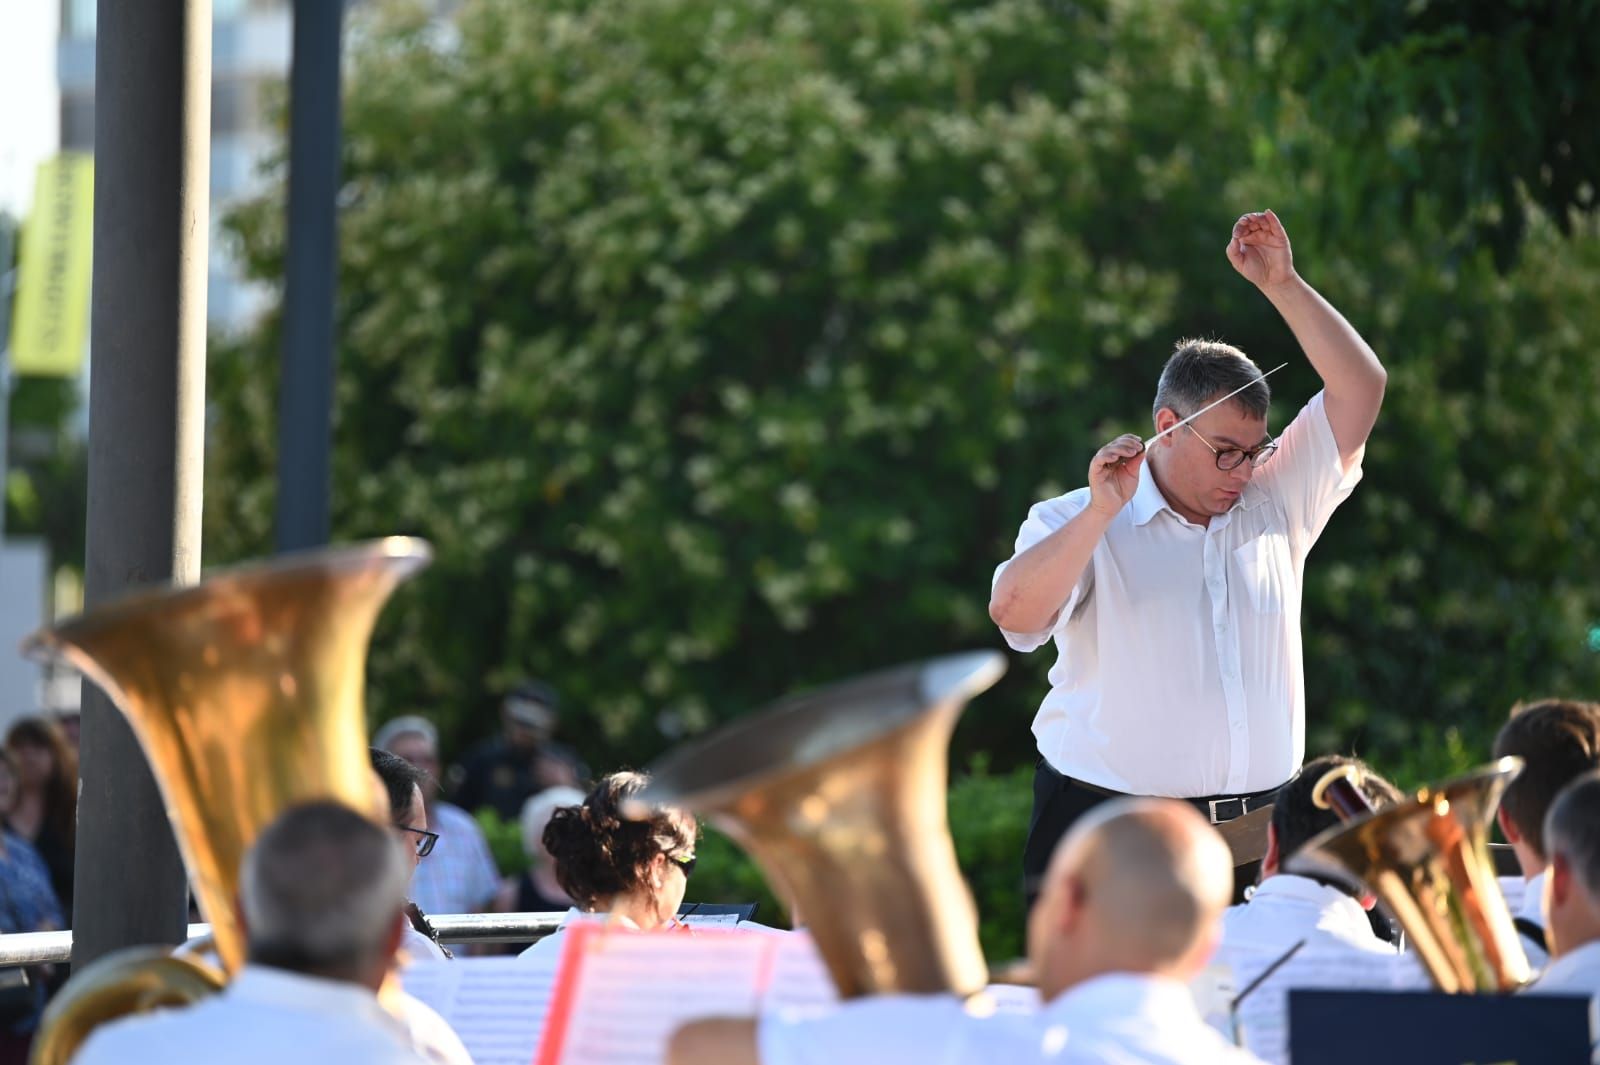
[27, 904]
[46, 810]
[402, 782]
[460, 875]
[630, 870]
[537, 889]
[523, 760]
[70, 720]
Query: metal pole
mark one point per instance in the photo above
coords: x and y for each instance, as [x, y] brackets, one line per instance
[146, 423]
[305, 401]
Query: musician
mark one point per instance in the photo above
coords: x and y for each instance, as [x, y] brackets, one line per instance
[1320, 922]
[1572, 891]
[403, 783]
[320, 900]
[460, 875]
[1558, 740]
[1127, 917]
[1286, 907]
[1171, 585]
[617, 866]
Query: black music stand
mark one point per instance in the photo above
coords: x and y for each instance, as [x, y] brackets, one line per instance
[1412, 1027]
[744, 911]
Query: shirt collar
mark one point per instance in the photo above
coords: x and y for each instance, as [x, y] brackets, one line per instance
[266, 985]
[1302, 888]
[1326, 898]
[1123, 994]
[1532, 905]
[1581, 965]
[1148, 501]
[615, 919]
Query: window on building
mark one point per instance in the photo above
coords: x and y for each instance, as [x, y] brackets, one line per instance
[78, 18]
[77, 123]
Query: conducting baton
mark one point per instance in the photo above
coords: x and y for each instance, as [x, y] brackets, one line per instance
[1208, 406]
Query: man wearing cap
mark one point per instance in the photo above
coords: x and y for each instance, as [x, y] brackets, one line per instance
[460, 875]
[523, 760]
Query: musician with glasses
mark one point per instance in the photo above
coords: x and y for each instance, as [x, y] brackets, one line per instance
[403, 783]
[623, 866]
[1171, 585]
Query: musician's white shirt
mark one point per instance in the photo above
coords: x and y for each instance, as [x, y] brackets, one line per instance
[1577, 972]
[1286, 909]
[1341, 950]
[1120, 1017]
[420, 948]
[1178, 654]
[265, 1016]
[1532, 908]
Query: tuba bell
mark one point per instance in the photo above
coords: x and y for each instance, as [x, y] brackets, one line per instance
[246, 695]
[1427, 858]
[839, 796]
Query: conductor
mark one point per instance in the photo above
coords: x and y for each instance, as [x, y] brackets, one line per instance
[1171, 585]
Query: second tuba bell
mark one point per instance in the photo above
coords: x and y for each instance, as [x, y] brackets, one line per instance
[839, 795]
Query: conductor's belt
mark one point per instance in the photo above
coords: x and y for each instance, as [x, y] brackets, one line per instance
[1218, 809]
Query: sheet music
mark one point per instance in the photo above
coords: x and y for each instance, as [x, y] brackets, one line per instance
[1513, 888]
[623, 994]
[496, 1005]
[712, 920]
[1263, 1016]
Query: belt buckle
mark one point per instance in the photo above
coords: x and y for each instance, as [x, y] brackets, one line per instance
[1216, 805]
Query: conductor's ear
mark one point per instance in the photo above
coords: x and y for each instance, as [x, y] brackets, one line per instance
[1166, 418]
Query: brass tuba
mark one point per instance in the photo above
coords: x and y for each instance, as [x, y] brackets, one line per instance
[246, 694]
[839, 795]
[1428, 859]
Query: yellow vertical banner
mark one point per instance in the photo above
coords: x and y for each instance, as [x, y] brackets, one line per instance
[51, 324]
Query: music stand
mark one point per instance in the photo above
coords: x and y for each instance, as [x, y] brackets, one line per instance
[1407, 1027]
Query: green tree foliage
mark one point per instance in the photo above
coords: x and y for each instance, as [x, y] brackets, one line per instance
[719, 346]
[1476, 110]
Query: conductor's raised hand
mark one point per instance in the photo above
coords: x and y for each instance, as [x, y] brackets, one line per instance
[1259, 249]
[1114, 474]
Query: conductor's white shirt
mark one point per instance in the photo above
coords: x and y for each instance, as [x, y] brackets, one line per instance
[1120, 1017]
[1178, 653]
[265, 1016]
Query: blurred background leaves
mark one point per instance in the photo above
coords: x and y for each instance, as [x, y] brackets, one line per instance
[720, 346]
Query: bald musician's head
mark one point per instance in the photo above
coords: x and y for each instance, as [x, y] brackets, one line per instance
[1136, 886]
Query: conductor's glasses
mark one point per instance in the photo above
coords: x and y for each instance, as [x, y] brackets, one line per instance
[1230, 458]
[425, 839]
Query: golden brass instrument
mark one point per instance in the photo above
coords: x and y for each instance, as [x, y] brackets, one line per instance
[1428, 859]
[246, 694]
[839, 795]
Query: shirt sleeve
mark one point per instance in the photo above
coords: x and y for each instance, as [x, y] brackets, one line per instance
[900, 1028]
[1306, 477]
[1045, 518]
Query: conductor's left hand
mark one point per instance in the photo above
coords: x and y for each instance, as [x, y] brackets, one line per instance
[1259, 249]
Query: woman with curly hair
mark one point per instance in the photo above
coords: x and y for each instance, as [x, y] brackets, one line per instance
[46, 809]
[631, 872]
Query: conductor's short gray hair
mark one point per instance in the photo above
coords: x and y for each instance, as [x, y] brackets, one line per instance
[321, 889]
[1200, 371]
[1572, 829]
